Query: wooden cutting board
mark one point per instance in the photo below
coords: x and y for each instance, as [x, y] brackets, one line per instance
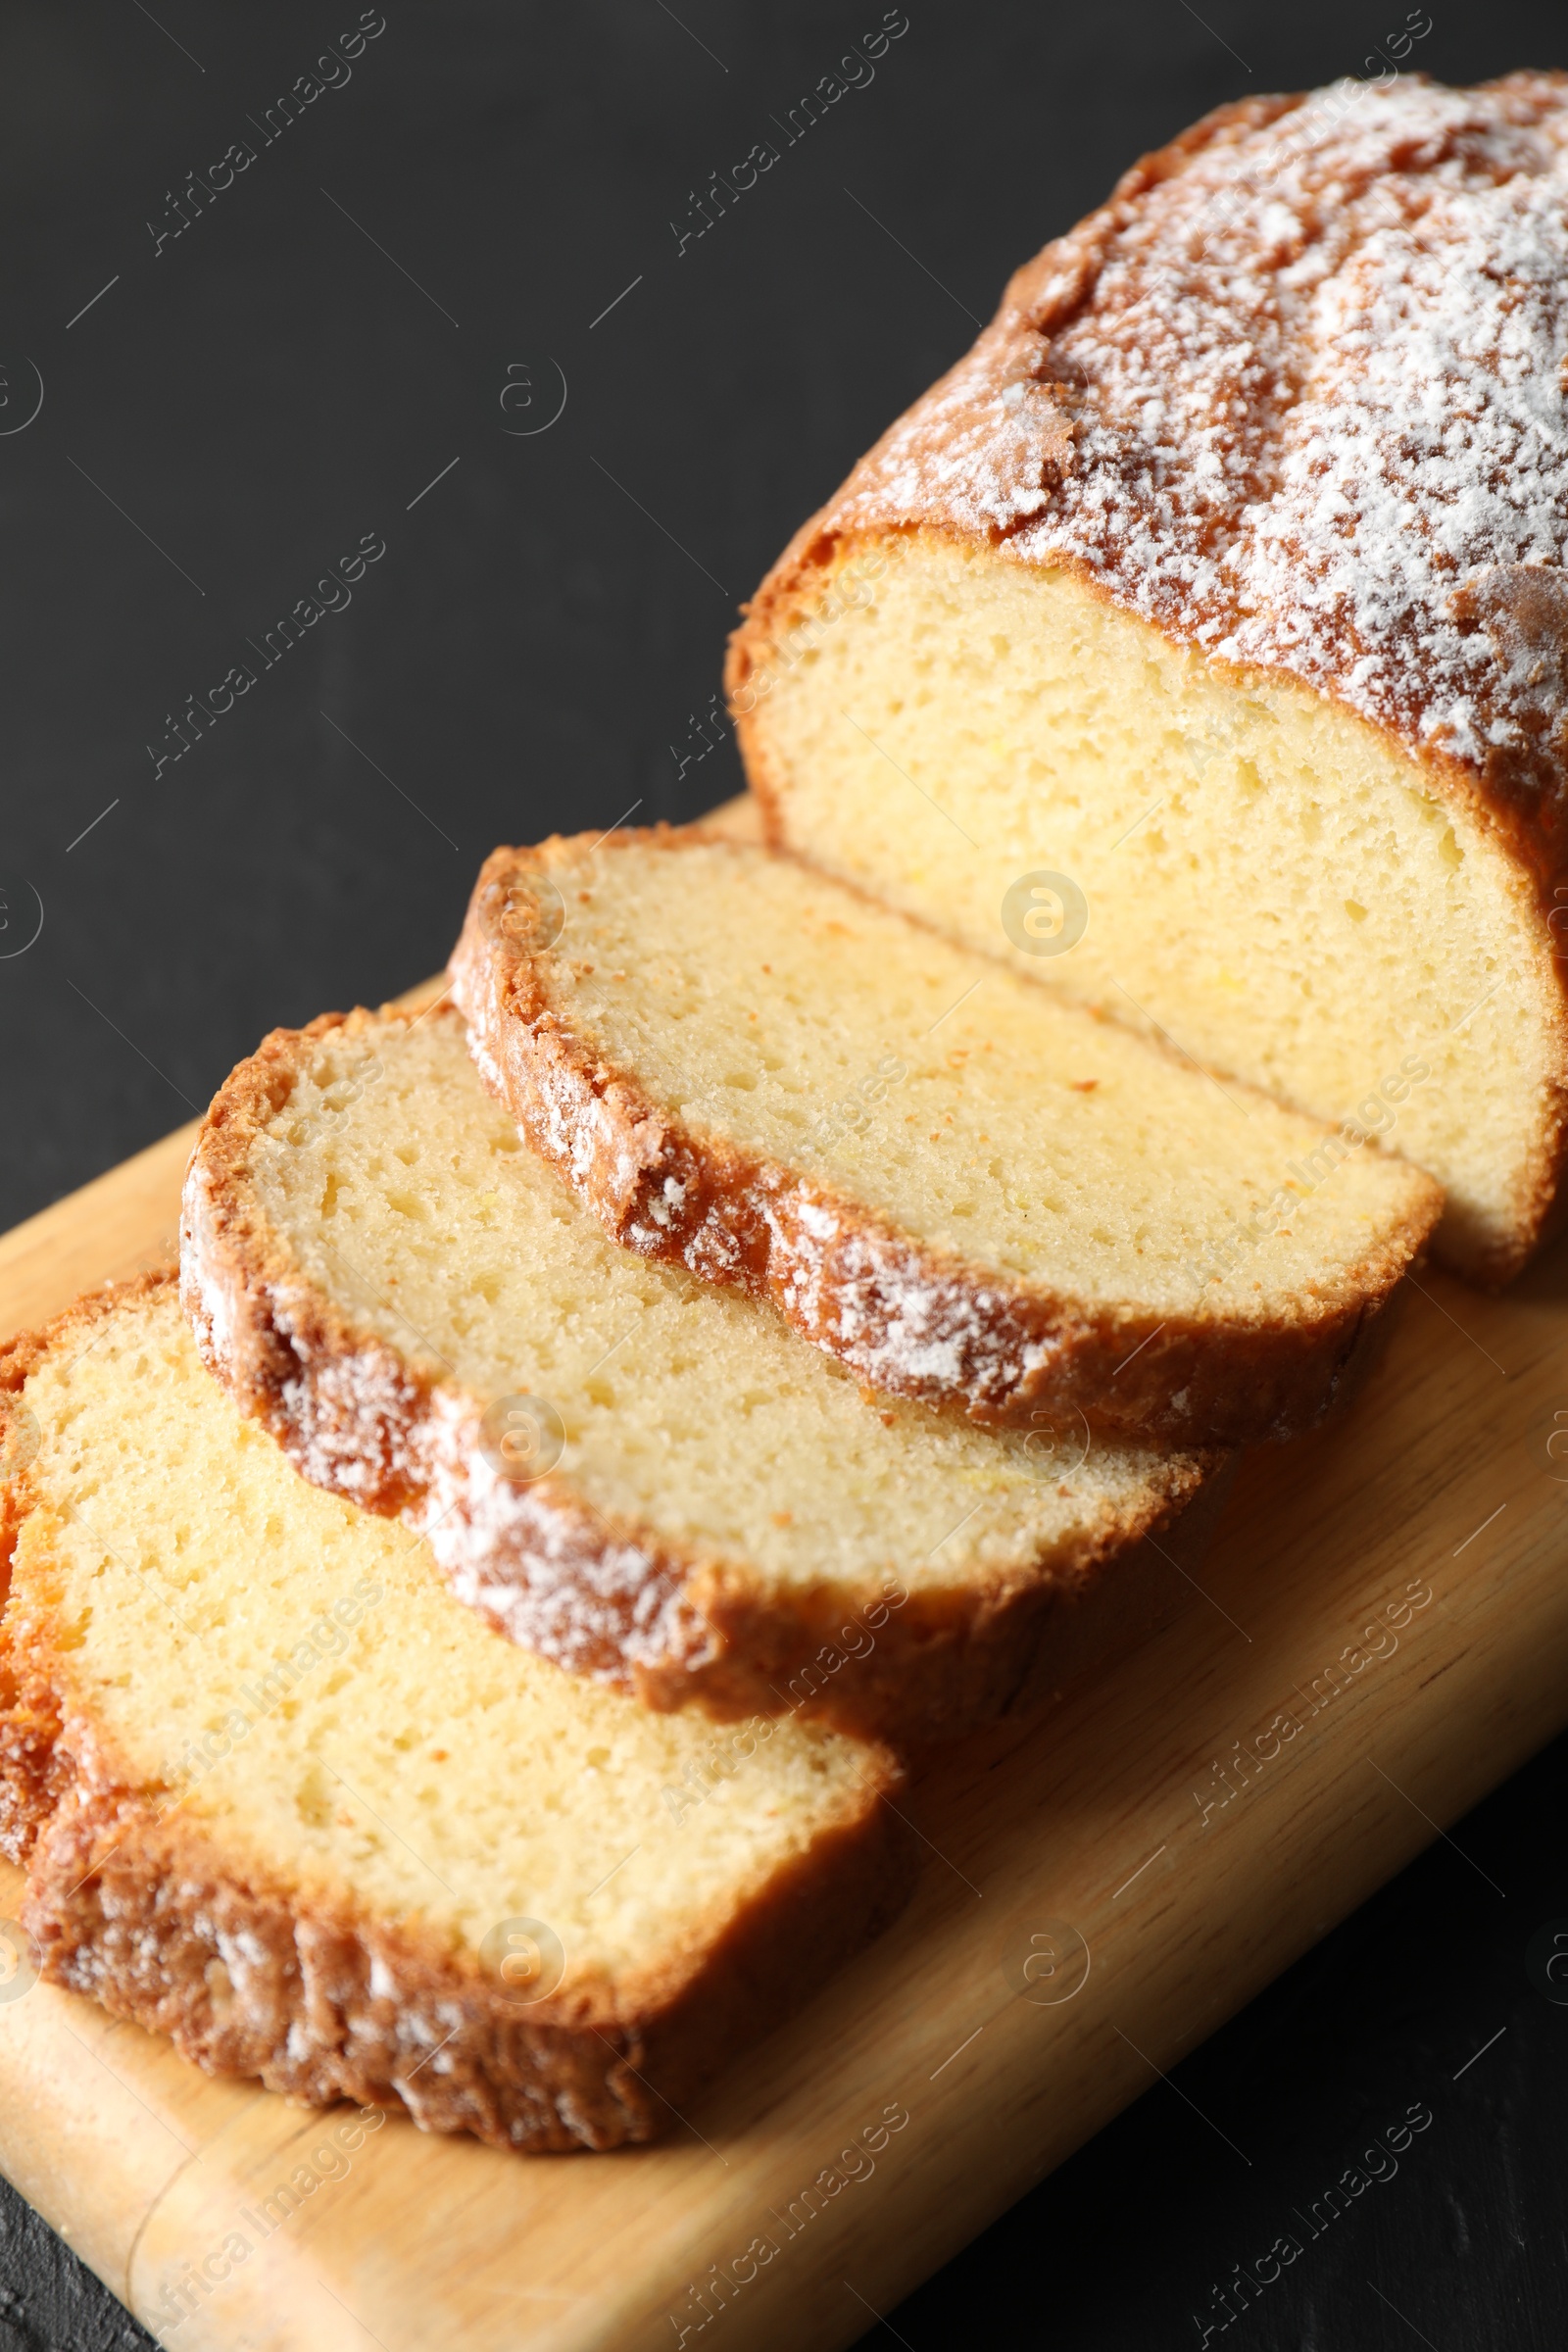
[1381, 1635]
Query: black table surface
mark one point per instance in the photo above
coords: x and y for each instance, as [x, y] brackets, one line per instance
[452, 308]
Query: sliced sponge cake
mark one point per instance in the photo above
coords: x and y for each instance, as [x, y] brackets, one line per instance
[649, 1478]
[968, 1189]
[282, 1799]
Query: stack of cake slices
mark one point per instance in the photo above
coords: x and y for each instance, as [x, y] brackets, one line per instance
[463, 1635]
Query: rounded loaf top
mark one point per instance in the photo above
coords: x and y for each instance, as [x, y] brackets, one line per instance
[1296, 395]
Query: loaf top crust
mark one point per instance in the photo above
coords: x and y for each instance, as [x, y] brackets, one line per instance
[1295, 395]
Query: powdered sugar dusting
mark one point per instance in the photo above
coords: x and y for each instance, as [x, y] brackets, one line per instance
[905, 1323]
[544, 1566]
[1297, 396]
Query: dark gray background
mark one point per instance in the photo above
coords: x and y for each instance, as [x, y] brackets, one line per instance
[240, 407]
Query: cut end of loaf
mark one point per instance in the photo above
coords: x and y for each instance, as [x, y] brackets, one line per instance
[1266, 880]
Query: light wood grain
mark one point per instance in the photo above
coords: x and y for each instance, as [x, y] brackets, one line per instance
[147, 2167]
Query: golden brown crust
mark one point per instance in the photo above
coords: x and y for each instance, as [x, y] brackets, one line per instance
[142, 1914]
[612, 1599]
[32, 1771]
[1159, 408]
[886, 1304]
[136, 1905]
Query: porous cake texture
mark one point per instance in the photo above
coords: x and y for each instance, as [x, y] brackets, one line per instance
[1223, 583]
[966, 1188]
[280, 1798]
[649, 1478]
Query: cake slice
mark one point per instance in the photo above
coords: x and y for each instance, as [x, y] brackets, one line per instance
[964, 1188]
[1225, 577]
[649, 1478]
[280, 1798]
